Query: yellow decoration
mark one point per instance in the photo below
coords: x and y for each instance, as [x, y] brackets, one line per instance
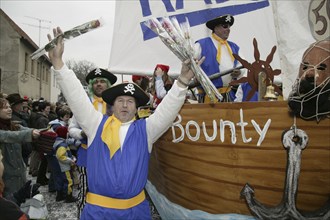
[96, 102]
[225, 42]
[114, 203]
[110, 134]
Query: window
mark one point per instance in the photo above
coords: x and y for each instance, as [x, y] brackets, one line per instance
[32, 68]
[47, 75]
[38, 71]
[43, 73]
[54, 80]
[26, 64]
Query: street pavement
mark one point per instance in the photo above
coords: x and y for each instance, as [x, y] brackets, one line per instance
[68, 211]
[57, 210]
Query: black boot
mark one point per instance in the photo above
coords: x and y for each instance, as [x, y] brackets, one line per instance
[43, 181]
[69, 198]
[41, 178]
[60, 196]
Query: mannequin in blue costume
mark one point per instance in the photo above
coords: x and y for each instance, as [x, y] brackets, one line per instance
[242, 93]
[98, 80]
[119, 147]
[218, 56]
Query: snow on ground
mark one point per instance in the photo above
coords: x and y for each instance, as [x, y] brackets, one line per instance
[68, 211]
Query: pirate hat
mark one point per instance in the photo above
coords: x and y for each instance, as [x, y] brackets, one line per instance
[98, 72]
[127, 88]
[165, 68]
[136, 78]
[224, 19]
[14, 99]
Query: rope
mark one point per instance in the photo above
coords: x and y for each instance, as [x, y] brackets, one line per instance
[316, 92]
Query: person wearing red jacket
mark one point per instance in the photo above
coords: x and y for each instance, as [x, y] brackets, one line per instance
[161, 83]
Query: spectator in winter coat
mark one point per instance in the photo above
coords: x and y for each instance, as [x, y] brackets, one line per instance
[12, 135]
[42, 122]
[16, 103]
[9, 207]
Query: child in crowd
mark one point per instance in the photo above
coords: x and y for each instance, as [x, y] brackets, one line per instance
[63, 116]
[66, 162]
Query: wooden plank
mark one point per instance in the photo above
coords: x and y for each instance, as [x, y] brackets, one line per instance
[209, 175]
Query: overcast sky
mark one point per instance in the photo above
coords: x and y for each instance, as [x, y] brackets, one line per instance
[93, 46]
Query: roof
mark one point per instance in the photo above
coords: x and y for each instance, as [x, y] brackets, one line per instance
[20, 31]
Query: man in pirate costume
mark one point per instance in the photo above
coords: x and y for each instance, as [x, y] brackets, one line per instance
[119, 146]
[218, 52]
[98, 80]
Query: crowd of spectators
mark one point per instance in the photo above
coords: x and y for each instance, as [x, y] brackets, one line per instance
[23, 123]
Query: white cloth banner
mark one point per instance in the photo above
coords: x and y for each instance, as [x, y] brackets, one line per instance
[285, 24]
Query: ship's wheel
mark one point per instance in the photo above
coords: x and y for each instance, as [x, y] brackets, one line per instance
[255, 68]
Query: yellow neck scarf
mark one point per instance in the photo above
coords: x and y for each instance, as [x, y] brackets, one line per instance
[225, 42]
[110, 134]
[96, 102]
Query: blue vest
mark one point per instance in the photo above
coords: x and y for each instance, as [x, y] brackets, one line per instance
[246, 89]
[124, 176]
[210, 64]
[82, 153]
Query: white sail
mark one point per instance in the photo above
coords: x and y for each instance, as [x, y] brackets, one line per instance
[136, 50]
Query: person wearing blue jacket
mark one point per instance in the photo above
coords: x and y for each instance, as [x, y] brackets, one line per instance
[66, 162]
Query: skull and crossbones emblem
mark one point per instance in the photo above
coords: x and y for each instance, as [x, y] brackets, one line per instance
[129, 88]
[228, 18]
[98, 72]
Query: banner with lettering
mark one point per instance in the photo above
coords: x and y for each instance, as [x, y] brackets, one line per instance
[137, 50]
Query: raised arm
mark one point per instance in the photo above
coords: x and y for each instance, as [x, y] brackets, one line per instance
[169, 108]
[87, 117]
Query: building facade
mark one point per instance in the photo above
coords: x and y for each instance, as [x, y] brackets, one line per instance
[18, 72]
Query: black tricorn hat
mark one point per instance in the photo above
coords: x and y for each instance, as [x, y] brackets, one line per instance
[14, 99]
[224, 19]
[129, 89]
[98, 72]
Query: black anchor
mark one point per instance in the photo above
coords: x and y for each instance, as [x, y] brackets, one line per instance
[294, 140]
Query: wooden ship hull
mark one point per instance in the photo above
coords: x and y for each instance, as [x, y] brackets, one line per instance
[208, 175]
